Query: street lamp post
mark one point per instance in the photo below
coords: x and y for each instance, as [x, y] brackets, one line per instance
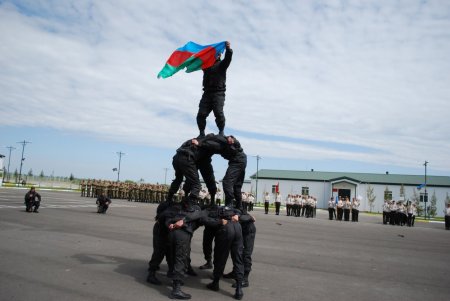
[257, 169]
[120, 159]
[165, 175]
[22, 159]
[9, 159]
[425, 196]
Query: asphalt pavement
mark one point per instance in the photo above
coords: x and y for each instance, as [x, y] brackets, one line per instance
[69, 252]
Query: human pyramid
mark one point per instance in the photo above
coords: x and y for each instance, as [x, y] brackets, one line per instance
[231, 228]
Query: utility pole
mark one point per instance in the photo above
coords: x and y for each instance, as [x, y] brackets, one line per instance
[425, 198]
[21, 160]
[120, 159]
[9, 159]
[165, 175]
[257, 169]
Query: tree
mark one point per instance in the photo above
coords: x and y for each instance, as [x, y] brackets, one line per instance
[30, 172]
[416, 200]
[387, 194]
[402, 191]
[41, 175]
[370, 197]
[432, 211]
[71, 178]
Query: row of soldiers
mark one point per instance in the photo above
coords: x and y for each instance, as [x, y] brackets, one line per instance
[398, 213]
[146, 193]
[342, 207]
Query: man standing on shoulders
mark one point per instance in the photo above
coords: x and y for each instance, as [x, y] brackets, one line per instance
[214, 87]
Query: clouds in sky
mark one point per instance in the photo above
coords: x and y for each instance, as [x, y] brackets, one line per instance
[364, 81]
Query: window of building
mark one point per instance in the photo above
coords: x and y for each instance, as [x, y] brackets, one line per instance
[274, 188]
[388, 195]
[305, 190]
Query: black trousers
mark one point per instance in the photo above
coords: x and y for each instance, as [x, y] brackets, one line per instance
[340, 211]
[355, 213]
[266, 207]
[102, 208]
[208, 237]
[160, 246]
[331, 213]
[184, 166]
[30, 204]
[211, 102]
[206, 170]
[232, 183]
[180, 249]
[447, 222]
[409, 221]
[386, 217]
[392, 217]
[277, 208]
[346, 215]
[249, 234]
[229, 239]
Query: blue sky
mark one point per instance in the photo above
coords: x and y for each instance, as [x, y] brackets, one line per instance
[358, 86]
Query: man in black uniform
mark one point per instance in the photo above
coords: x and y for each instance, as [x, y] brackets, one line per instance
[181, 220]
[248, 233]
[30, 200]
[185, 164]
[103, 203]
[160, 244]
[228, 239]
[235, 174]
[214, 87]
[208, 237]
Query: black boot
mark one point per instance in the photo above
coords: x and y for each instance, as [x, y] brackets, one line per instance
[151, 278]
[207, 266]
[214, 286]
[239, 293]
[202, 134]
[245, 282]
[230, 275]
[177, 293]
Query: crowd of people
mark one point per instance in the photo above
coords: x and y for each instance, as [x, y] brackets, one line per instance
[398, 213]
[146, 193]
[341, 208]
[296, 205]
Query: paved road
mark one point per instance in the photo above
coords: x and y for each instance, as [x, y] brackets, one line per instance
[68, 252]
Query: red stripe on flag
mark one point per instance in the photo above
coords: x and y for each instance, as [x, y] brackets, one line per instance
[208, 56]
[178, 57]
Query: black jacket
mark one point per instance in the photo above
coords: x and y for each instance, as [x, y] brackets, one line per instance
[215, 77]
[31, 197]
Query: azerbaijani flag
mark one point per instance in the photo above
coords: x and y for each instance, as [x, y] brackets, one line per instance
[193, 57]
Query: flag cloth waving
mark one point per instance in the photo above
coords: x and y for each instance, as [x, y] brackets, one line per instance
[193, 57]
